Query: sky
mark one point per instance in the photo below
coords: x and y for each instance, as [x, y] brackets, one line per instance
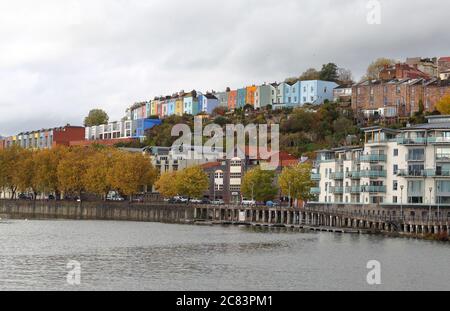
[59, 59]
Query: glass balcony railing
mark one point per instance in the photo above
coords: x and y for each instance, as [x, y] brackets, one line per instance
[438, 140]
[337, 190]
[353, 189]
[443, 157]
[315, 190]
[374, 189]
[373, 174]
[412, 141]
[353, 175]
[315, 177]
[411, 173]
[337, 175]
[373, 158]
[436, 173]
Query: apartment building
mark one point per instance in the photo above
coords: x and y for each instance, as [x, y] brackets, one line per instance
[120, 129]
[397, 98]
[407, 166]
[45, 138]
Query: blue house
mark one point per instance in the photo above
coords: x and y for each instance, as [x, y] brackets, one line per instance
[241, 97]
[208, 103]
[316, 91]
[171, 107]
[142, 125]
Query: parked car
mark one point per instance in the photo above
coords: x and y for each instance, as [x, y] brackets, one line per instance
[206, 201]
[248, 202]
[25, 196]
[272, 203]
[195, 201]
[114, 196]
[181, 199]
[138, 199]
[51, 197]
[218, 202]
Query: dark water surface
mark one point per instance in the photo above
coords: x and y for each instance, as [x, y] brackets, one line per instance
[153, 256]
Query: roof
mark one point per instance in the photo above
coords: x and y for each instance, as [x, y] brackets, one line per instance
[210, 165]
[445, 59]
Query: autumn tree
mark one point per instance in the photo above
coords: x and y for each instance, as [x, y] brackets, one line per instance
[166, 185]
[99, 167]
[131, 172]
[192, 182]
[9, 159]
[71, 169]
[295, 182]
[96, 117]
[24, 173]
[46, 169]
[373, 71]
[443, 105]
[310, 74]
[259, 185]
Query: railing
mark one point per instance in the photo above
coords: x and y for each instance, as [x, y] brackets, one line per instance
[337, 175]
[373, 158]
[353, 189]
[373, 189]
[423, 173]
[373, 174]
[315, 190]
[337, 190]
[315, 177]
[438, 140]
[412, 141]
[443, 157]
[353, 175]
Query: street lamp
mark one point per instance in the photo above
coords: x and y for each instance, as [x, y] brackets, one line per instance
[429, 211]
[439, 201]
[401, 201]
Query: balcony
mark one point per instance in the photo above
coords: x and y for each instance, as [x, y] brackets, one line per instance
[436, 173]
[439, 140]
[443, 157]
[412, 173]
[315, 177]
[412, 141]
[374, 189]
[337, 190]
[353, 175]
[373, 174]
[337, 175]
[373, 158]
[315, 190]
[353, 189]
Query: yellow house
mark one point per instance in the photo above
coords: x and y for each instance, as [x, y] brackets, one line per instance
[179, 106]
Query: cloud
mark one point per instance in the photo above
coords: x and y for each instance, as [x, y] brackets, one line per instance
[59, 59]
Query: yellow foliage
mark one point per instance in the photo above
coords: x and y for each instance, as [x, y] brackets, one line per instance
[443, 106]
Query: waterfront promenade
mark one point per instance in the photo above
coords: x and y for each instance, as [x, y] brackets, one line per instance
[416, 220]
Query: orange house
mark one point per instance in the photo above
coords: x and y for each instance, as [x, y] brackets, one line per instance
[232, 99]
[251, 90]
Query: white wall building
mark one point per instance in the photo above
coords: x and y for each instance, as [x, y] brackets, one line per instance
[408, 166]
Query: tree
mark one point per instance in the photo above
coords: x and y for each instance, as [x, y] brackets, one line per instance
[46, 170]
[96, 117]
[295, 182]
[259, 185]
[98, 169]
[192, 182]
[344, 76]
[131, 172]
[329, 72]
[24, 175]
[9, 158]
[373, 71]
[167, 184]
[443, 105]
[71, 169]
[310, 74]
[219, 111]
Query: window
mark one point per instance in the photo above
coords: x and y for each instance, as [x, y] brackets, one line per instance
[415, 192]
[235, 175]
[394, 199]
[416, 155]
[395, 152]
[395, 169]
[395, 185]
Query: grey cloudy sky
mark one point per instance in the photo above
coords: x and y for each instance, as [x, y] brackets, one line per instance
[58, 59]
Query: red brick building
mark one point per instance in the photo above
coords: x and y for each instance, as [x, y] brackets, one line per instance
[402, 71]
[397, 98]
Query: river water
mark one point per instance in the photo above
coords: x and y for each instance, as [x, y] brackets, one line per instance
[154, 256]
